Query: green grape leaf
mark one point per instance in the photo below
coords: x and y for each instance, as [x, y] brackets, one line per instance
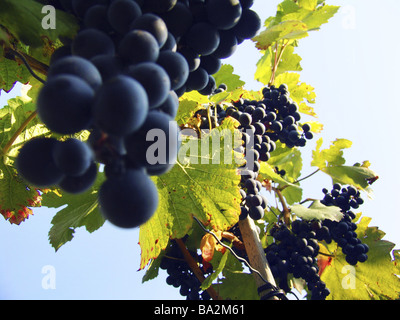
[186, 111]
[237, 286]
[317, 211]
[288, 159]
[332, 156]
[292, 195]
[264, 67]
[308, 4]
[219, 97]
[300, 92]
[225, 75]
[23, 19]
[293, 21]
[204, 183]
[238, 93]
[331, 161]
[267, 171]
[11, 72]
[219, 263]
[314, 19]
[285, 30]
[81, 211]
[16, 198]
[375, 279]
[18, 124]
[360, 177]
[233, 282]
[195, 96]
[289, 61]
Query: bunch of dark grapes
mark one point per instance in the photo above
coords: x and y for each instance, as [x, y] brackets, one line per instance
[295, 252]
[262, 123]
[181, 276]
[120, 78]
[343, 231]
[275, 117]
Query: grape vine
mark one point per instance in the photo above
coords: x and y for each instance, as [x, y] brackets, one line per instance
[115, 99]
[120, 78]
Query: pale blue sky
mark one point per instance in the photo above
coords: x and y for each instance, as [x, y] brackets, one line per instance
[353, 65]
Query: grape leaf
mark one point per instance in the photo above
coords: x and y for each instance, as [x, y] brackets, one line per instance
[314, 19]
[289, 61]
[293, 21]
[237, 286]
[23, 19]
[374, 279]
[11, 72]
[264, 67]
[233, 282]
[285, 30]
[267, 171]
[195, 96]
[186, 111]
[300, 92]
[288, 159]
[317, 211]
[81, 211]
[308, 4]
[332, 156]
[16, 198]
[225, 75]
[197, 185]
[220, 262]
[331, 161]
[357, 176]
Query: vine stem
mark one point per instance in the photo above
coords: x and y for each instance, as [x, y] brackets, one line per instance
[195, 268]
[257, 257]
[30, 63]
[285, 211]
[18, 132]
[277, 60]
[306, 177]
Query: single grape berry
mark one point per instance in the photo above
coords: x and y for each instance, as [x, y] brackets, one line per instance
[72, 156]
[77, 66]
[121, 106]
[156, 144]
[155, 81]
[64, 104]
[35, 162]
[128, 200]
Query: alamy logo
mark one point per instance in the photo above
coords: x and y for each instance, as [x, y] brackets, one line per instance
[49, 20]
[349, 280]
[49, 280]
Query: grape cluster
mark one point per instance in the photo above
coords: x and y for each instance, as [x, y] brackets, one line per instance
[262, 123]
[203, 32]
[181, 276]
[295, 252]
[275, 117]
[120, 78]
[68, 164]
[343, 231]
